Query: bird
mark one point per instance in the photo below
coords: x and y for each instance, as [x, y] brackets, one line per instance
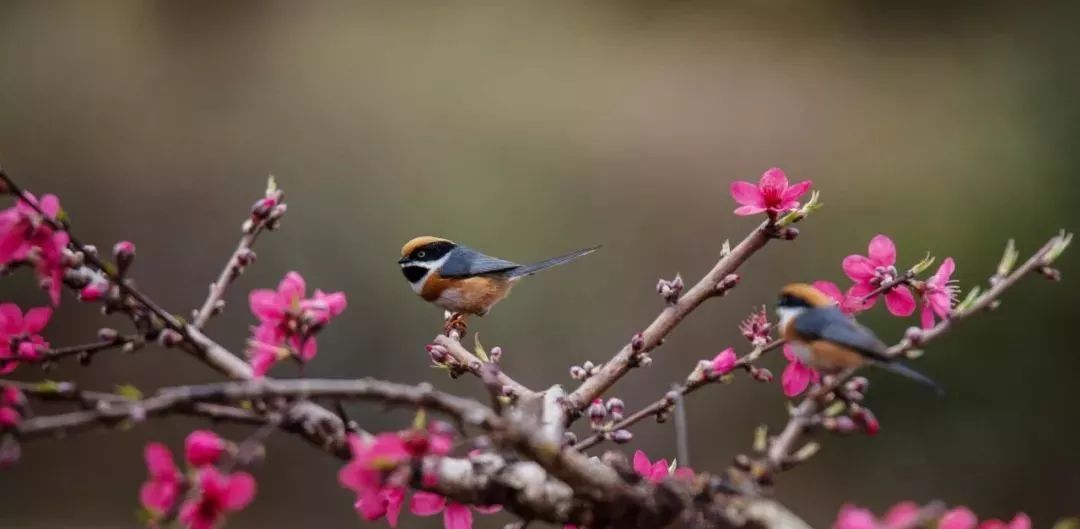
[825, 338]
[464, 281]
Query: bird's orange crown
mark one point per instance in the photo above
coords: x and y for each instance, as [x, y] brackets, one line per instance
[418, 242]
[805, 292]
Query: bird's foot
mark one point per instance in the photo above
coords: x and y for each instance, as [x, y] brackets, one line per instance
[455, 326]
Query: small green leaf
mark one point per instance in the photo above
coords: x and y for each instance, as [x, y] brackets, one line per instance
[47, 386]
[923, 265]
[835, 409]
[761, 437]
[271, 185]
[674, 464]
[1067, 523]
[807, 451]
[420, 421]
[480, 352]
[128, 391]
[1062, 243]
[972, 295]
[145, 516]
[1008, 259]
[811, 206]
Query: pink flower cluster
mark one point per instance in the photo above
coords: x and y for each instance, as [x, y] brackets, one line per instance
[209, 495]
[288, 322]
[378, 474]
[772, 194]
[25, 236]
[869, 272]
[659, 470]
[905, 514]
[20, 337]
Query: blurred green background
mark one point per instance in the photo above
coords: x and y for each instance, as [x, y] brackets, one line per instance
[529, 129]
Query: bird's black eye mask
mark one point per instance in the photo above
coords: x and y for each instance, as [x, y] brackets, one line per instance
[432, 251]
[789, 301]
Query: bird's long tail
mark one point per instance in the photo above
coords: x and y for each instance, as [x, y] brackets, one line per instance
[533, 268]
[902, 369]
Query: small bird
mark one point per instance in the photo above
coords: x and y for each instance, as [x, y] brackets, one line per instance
[830, 341]
[462, 280]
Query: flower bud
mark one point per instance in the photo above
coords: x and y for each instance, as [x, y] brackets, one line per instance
[761, 374]
[578, 373]
[596, 411]
[569, 438]
[92, 292]
[262, 207]
[245, 257]
[169, 338]
[496, 354]
[203, 447]
[438, 353]
[637, 343]
[588, 367]
[622, 436]
[124, 255]
[615, 405]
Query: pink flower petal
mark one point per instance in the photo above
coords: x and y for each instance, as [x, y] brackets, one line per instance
[203, 447]
[1020, 521]
[830, 289]
[856, 297]
[292, 287]
[749, 210]
[426, 504]
[944, 272]
[11, 319]
[395, 498]
[158, 496]
[747, 194]
[794, 192]
[926, 319]
[159, 460]
[882, 251]
[50, 205]
[487, 509]
[264, 305]
[684, 473]
[457, 516]
[371, 506]
[773, 179]
[239, 491]
[902, 514]
[900, 301]
[958, 518]
[852, 517]
[859, 268]
[310, 349]
[642, 465]
[795, 378]
[36, 319]
[724, 362]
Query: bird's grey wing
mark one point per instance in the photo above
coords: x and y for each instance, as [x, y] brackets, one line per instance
[466, 262]
[828, 323]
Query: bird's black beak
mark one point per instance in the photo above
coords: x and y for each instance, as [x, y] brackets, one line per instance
[403, 260]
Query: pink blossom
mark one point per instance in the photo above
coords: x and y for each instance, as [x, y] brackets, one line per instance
[797, 375]
[25, 236]
[19, 335]
[1020, 521]
[455, 515]
[899, 516]
[938, 294]
[162, 488]
[772, 193]
[363, 474]
[386, 503]
[876, 269]
[847, 303]
[756, 328]
[288, 318]
[203, 447]
[659, 470]
[958, 518]
[723, 362]
[11, 401]
[218, 494]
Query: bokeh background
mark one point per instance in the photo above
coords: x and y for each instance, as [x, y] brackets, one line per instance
[529, 129]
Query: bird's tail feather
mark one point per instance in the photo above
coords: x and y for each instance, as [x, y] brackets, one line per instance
[533, 268]
[902, 369]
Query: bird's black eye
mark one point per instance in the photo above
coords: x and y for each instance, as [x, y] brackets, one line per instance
[421, 254]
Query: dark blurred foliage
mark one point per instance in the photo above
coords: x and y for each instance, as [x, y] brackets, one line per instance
[532, 129]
